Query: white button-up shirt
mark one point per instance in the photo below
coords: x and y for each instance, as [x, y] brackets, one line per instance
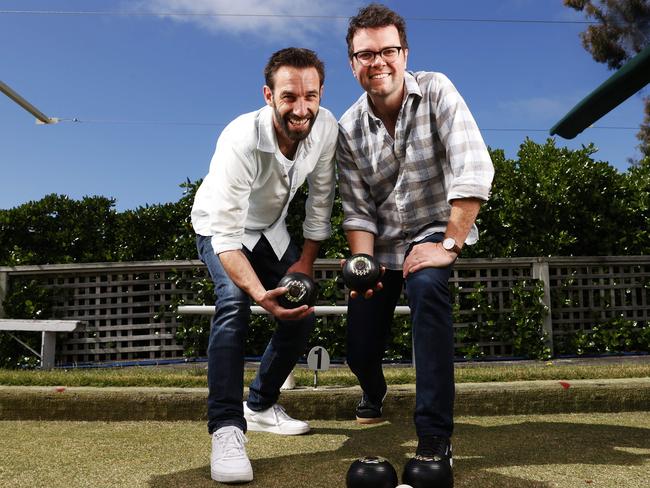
[250, 184]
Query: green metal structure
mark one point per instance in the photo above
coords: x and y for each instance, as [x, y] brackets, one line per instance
[628, 80]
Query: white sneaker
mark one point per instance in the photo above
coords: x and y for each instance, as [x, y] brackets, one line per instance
[229, 462]
[275, 420]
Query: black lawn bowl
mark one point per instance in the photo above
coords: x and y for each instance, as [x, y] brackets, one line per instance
[301, 290]
[361, 272]
[371, 472]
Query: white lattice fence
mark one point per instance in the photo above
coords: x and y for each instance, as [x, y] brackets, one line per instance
[121, 304]
[590, 291]
[126, 304]
[496, 278]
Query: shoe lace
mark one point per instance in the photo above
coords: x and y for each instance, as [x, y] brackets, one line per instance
[365, 402]
[433, 447]
[280, 413]
[232, 442]
[366, 405]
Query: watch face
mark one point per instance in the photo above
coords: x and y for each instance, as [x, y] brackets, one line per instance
[448, 243]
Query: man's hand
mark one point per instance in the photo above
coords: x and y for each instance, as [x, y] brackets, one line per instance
[427, 255]
[370, 292]
[269, 302]
[301, 266]
[305, 263]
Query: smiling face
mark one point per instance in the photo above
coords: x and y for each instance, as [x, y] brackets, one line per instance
[295, 99]
[383, 81]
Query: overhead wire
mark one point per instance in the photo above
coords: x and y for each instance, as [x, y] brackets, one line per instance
[296, 16]
[135, 122]
[222, 124]
[134, 13]
[127, 13]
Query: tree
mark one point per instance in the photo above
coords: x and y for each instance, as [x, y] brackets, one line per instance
[622, 31]
[555, 201]
[644, 133]
[548, 201]
[58, 229]
[637, 188]
[161, 231]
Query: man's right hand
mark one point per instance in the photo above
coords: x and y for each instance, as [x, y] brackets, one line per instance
[242, 274]
[269, 302]
[370, 292]
[362, 241]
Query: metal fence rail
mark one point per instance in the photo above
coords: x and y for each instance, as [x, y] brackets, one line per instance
[127, 305]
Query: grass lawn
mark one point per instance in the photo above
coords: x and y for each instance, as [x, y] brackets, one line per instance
[195, 374]
[577, 450]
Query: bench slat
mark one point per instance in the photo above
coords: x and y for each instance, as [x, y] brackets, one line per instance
[40, 325]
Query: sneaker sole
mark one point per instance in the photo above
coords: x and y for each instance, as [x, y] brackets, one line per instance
[367, 421]
[232, 477]
[255, 427]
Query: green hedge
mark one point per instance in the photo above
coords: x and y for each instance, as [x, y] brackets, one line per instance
[548, 201]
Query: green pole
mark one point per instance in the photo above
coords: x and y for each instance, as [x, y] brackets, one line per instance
[628, 80]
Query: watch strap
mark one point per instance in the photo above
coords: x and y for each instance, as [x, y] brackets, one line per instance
[455, 248]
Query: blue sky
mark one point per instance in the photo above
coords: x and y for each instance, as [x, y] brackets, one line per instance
[152, 91]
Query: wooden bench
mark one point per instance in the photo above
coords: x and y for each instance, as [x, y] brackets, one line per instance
[49, 328]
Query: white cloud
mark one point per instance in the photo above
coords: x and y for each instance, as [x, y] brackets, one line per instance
[261, 18]
[537, 108]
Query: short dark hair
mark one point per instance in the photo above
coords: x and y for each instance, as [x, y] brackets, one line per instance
[295, 57]
[372, 16]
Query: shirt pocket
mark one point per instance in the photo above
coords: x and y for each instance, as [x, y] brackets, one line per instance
[303, 168]
[420, 166]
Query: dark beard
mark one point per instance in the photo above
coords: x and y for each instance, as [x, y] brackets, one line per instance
[283, 122]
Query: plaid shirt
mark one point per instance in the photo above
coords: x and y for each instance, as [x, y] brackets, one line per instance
[399, 188]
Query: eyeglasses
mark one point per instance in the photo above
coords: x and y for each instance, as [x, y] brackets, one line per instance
[388, 54]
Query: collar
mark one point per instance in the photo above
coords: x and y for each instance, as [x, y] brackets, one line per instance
[411, 87]
[266, 138]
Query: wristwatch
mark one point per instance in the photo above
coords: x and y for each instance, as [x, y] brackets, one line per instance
[449, 244]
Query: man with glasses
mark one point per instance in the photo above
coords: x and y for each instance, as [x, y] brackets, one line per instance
[413, 171]
[239, 213]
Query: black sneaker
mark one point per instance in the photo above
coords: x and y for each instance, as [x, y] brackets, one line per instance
[432, 464]
[435, 448]
[368, 412]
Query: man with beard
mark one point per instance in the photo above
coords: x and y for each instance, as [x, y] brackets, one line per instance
[239, 213]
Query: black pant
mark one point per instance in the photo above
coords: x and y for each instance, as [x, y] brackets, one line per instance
[369, 322]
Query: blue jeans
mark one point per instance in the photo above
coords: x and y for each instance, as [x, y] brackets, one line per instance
[369, 323]
[228, 335]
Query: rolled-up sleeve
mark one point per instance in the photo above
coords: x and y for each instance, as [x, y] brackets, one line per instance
[358, 205]
[469, 160]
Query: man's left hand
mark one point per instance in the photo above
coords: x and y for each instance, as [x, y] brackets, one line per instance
[427, 255]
